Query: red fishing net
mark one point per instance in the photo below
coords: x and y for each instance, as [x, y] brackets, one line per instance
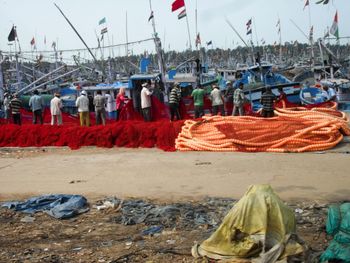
[130, 132]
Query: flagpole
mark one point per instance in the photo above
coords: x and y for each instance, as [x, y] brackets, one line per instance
[311, 39]
[256, 33]
[126, 34]
[188, 28]
[252, 46]
[280, 34]
[17, 65]
[196, 25]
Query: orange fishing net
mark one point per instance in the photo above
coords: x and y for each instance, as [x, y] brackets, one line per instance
[292, 130]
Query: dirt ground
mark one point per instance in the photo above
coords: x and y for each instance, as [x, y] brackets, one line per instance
[307, 181]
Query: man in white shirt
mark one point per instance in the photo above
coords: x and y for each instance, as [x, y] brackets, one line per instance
[110, 106]
[217, 101]
[83, 108]
[55, 108]
[329, 93]
[146, 103]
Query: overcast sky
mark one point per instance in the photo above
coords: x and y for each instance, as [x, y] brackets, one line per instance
[40, 18]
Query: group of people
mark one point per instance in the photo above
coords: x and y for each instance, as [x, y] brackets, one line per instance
[13, 105]
[236, 96]
[231, 95]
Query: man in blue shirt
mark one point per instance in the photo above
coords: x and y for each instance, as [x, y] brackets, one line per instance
[36, 104]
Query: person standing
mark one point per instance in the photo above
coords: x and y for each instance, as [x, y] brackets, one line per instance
[198, 100]
[110, 105]
[7, 108]
[217, 101]
[120, 101]
[174, 102]
[267, 100]
[146, 102]
[36, 104]
[229, 92]
[55, 109]
[83, 108]
[16, 106]
[238, 101]
[282, 95]
[99, 103]
[332, 96]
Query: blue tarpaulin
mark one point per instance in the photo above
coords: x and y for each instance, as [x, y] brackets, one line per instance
[58, 206]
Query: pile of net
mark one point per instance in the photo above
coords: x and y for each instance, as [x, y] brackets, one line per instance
[130, 134]
[291, 130]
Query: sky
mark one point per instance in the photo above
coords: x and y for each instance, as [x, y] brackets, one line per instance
[40, 19]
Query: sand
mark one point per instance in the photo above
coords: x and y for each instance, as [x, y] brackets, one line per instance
[154, 174]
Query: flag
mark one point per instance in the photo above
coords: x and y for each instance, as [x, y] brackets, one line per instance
[249, 23]
[334, 29]
[150, 17]
[249, 31]
[177, 4]
[104, 30]
[44, 40]
[323, 2]
[102, 21]
[32, 42]
[263, 41]
[209, 43]
[53, 45]
[13, 34]
[306, 4]
[198, 40]
[182, 14]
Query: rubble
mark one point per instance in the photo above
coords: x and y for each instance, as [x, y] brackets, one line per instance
[112, 235]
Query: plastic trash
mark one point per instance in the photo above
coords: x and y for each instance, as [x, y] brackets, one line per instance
[152, 230]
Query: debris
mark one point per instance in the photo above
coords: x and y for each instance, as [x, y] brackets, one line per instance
[58, 206]
[299, 211]
[77, 181]
[171, 242]
[203, 163]
[183, 215]
[106, 204]
[28, 219]
[152, 230]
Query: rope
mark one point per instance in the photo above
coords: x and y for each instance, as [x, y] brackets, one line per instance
[291, 130]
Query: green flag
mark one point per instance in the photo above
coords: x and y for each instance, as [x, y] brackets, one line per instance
[102, 21]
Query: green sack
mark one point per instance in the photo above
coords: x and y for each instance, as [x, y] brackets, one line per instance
[338, 225]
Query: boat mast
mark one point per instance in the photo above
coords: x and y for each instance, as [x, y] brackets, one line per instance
[188, 29]
[82, 40]
[311, 39]
[2, 59]
[159, 51]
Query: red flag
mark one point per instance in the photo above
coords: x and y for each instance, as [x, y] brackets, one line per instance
[32, 42]
[177, 4]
